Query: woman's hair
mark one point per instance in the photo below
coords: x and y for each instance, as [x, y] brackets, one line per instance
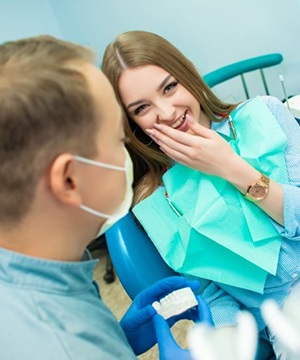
[136, 48]
[46, 109]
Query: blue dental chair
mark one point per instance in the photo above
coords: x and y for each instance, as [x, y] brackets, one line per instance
[136, 261]
[129, 246]
[212, 79]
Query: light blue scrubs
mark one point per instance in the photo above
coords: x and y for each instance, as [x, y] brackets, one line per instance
[53, 310]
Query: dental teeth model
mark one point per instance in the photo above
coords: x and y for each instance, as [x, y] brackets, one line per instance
[175, 303]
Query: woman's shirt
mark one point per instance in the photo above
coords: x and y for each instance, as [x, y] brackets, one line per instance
[224, 300]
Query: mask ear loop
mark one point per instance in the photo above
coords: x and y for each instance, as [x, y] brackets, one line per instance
[139, 139]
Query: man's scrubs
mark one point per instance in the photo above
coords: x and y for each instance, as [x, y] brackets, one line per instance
[53, 310]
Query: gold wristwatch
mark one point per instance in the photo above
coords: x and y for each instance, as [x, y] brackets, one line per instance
[259, 189]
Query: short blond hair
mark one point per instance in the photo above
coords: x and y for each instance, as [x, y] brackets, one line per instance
[46, 109]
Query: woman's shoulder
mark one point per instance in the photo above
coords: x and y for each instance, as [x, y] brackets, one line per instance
[275, 105]
[281, 114]
[271, 101]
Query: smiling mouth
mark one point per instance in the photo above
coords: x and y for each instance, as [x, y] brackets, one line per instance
[180, 121]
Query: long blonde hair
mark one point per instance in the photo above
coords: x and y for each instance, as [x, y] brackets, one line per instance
[135, 48]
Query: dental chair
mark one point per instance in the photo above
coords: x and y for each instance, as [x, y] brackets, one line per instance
[212, 79]
[127, 245]
[136, 261]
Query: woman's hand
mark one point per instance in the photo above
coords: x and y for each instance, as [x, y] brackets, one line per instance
[204, 150]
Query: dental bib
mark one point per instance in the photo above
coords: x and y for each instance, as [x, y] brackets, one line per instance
[210, 230]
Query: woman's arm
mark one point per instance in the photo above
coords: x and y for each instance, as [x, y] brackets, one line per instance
[242, 175]
[291, 205]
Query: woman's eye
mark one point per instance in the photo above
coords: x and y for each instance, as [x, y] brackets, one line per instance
[139, 109]
[170, 86]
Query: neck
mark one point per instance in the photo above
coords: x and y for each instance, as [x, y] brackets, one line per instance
[34, 237]
[204, 120]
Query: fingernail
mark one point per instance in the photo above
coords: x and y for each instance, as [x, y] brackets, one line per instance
[149, 131]
[190, 119]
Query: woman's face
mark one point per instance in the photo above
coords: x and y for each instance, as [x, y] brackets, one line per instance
[151, 95]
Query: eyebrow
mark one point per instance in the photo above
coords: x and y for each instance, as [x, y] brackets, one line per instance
[163, 83]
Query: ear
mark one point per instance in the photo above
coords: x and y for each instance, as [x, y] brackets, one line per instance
[64, 180]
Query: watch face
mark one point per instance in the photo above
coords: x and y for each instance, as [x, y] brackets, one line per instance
[258, 192]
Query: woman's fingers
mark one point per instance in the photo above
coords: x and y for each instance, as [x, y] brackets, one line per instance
[175, 148]
[204, 150]
[180, 135]
[198, 129]
[181, 142]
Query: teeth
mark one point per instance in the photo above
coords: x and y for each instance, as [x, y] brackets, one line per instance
[179, 121]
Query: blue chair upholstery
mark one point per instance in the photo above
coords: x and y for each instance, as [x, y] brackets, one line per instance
[135, 258]
[240, 68]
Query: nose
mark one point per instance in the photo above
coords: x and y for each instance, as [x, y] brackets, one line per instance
[165, 112]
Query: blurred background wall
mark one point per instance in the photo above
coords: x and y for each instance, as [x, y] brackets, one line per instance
[211, 33]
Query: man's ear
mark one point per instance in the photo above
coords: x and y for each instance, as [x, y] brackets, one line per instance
[64, 180]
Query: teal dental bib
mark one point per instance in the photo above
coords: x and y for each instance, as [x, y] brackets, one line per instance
[207, 228]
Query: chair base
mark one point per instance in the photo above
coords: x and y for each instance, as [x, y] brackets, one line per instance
[100, 243]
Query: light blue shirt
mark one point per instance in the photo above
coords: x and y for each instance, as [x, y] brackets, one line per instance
[52, 310]
[225, 301]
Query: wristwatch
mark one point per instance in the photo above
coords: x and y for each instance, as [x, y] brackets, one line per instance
[259, 189]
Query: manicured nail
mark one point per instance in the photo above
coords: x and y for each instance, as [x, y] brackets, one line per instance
[190, 119]
[149, 131]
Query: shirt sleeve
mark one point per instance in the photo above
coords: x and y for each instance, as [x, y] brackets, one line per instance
[224, 307]
[291, 228]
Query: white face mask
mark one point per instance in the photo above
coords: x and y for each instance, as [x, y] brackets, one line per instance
[127, 201]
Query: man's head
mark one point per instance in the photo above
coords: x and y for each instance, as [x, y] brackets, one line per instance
[57, 108]
[46, 109]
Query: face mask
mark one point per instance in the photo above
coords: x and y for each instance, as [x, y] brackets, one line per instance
[125, 204]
